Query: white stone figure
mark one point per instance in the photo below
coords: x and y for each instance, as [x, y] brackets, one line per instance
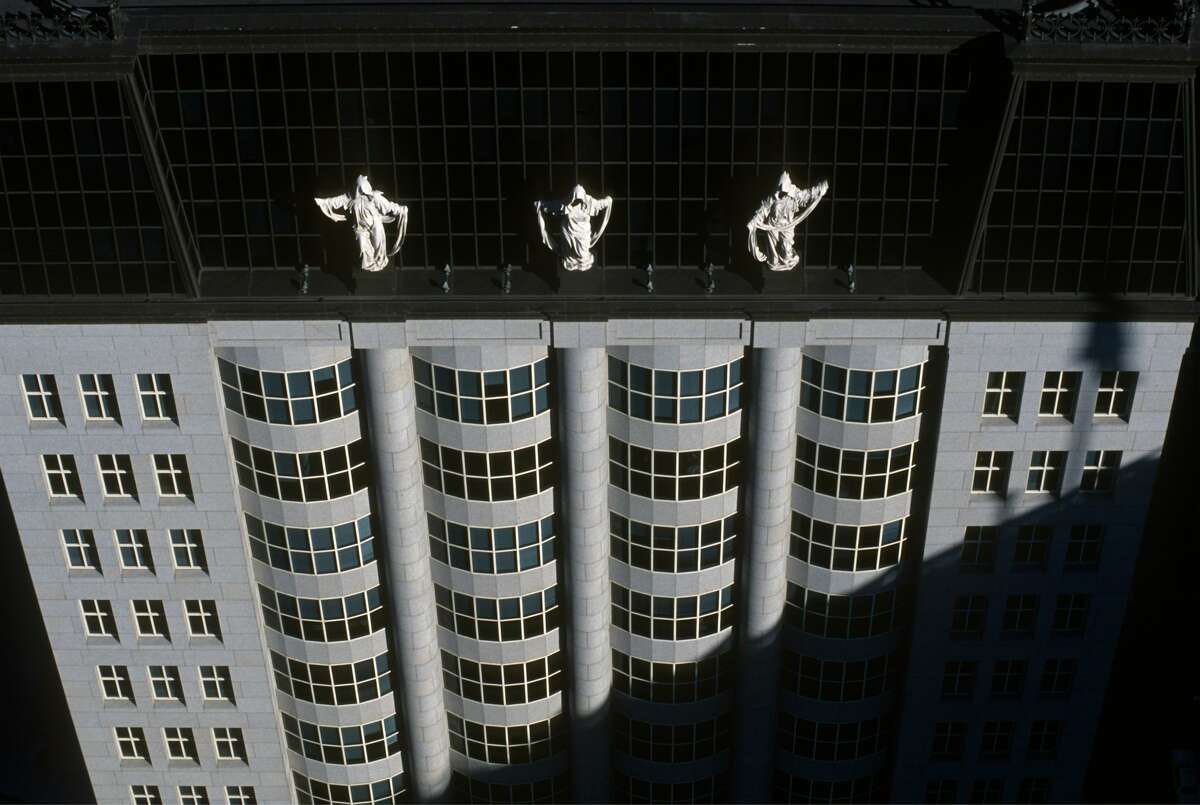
[570, 235]
[777, 218]
[371, 210]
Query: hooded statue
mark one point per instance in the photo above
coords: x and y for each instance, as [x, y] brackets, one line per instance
[371, 210]
[777, 217]
[572, 239]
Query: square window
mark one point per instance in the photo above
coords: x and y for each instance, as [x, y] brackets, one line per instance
[193, 795]
[997, 739]
[158, 401]
[98, 620]
[1058, 677]
[1020, 615]
[958, 679]
[215, 683]
[62, 476]
[41, 398]
[187, 549]
[949, 740]
[1002, 394]
[164, 683]
[991, 472]
[240, 795]
[1100, 470]
[181, 744]
[1032, 547]
[145, 795]
[1071, 613]
[229, 743]
[1114, 397]
[968, 616]
[1008, 678]
[115, 684]
[171, 473]
[116, 476]
[150, 619]
[131, 743]
[202, 618]
[80, 547]
[978, 550]
[1046, 470]
[99, 397]
[133, 546]
[1059, 391]
[1083, 547]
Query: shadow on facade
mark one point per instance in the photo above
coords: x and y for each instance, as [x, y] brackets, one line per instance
[40, 759]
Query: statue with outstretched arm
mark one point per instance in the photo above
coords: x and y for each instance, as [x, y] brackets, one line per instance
[777, 218]
[370, 210]
[568, 233]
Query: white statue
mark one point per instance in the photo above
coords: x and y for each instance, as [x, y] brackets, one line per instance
[371, 210]
[777, 217]
[572, 239]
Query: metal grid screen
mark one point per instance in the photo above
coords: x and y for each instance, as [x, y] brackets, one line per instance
[685, 142]
[1090, 194]
[79, 214]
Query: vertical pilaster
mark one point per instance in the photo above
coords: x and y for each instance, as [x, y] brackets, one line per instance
[583, 380]
[391, 410]
[763, 589]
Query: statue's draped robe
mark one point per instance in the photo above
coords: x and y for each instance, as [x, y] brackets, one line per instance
[370, 212]
[776, 219]
[573, 241]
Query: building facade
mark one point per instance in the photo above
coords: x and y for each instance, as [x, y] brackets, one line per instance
[676, 528]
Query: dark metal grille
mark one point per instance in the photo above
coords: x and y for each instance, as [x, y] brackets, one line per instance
[687, 143]
[1090, 195]
[79, 214]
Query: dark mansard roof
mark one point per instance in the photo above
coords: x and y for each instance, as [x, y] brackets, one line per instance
[971, 152]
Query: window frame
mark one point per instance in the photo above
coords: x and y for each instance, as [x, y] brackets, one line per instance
[160, 394]
[66, 472]
[1060, 388]
[173, 480]
[116, 476]
[1100, 469]
[193, 795]
[107, 619]
[218, 678]
[165, 683]
[104, 394]
[191, 548]
[133, 549]
[996, 466]
[1114, 396]
[134, 740]
[84, 546]
[180, 744]
[115, 683]
[205, 614]
[1006, 395]
[229, 744]
[141, 794]
[1046, 469]
[155, 614]
[46, 394]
